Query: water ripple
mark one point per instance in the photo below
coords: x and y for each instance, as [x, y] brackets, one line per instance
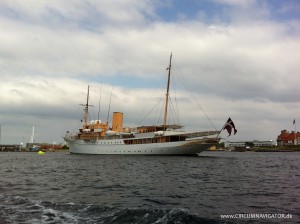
[64, 188]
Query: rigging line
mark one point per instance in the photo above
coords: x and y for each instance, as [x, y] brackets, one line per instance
[149, 112]
[172, 111]
[92, 112]
[158, 116]
[99, 101]
[109, 104]
[175, 97]
[160, 110]
[194, 97]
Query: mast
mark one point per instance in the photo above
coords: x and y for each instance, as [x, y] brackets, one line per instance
[167, 94]
[32, 135]
[86, 108]
[294, 123]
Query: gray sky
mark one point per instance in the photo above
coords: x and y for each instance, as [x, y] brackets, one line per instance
[237, 58]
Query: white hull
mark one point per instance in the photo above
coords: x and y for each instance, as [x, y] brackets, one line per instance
[118, 147]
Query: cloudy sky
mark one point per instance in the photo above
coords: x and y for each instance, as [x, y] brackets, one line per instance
[237, 58]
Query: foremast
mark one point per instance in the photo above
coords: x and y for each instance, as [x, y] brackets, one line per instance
[91, 130]
[86, 109]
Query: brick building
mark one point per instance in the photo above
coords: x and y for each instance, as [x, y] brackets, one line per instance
[288, 138]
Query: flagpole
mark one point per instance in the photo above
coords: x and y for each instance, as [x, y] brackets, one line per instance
[221, 130]
[295, 132]
[229, 125]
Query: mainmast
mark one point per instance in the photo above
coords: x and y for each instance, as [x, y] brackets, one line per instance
[167, 94]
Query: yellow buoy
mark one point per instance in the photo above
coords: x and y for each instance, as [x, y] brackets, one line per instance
[41, 152]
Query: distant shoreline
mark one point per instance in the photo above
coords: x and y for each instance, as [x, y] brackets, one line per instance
[274, 149]
[277, 150]
[263, 149]
[37, 151]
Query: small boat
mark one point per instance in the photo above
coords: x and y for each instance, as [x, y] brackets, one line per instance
[97, 137]
[41, 152]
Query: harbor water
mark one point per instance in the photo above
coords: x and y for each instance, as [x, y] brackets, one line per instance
[215, 187]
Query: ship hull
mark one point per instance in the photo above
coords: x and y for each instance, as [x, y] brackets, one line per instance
[119, 148]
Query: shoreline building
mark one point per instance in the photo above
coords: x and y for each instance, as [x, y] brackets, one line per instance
[43, 146]
[246, 144]
[288, 138]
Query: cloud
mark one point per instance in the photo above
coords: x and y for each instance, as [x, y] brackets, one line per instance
[86, 14]
[238, 65]
[238, 3]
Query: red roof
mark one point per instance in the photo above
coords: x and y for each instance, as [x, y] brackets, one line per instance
[288, 136]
